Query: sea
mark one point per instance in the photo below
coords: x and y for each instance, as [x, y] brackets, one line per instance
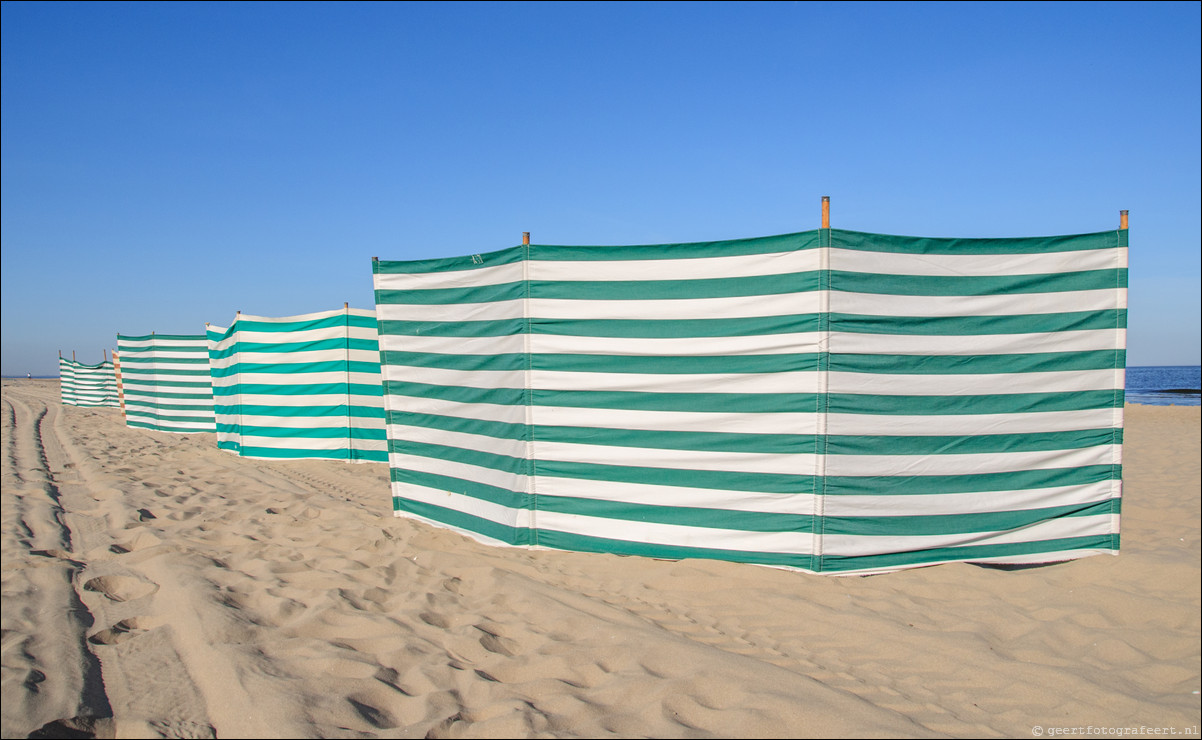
[1178, 385]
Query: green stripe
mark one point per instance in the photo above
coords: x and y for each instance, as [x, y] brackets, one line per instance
[698, 288]
[970, 444]
[1039, 362]
[495, 429]
[977, 325]
[503, 396]
[286, 454]
[302, 433]
[299, 389]
[453, 518]
[447, 453]
[677, 328]
[991, 521]
[677, 364]
[498, 328]
[297, 369]
[313, 345]
[836, 564]
[684, 516]
[668, 252]
[909, 485]
[745, 403]
[761, 444]
[500, 362]
[474, 489]
[867, 242]
[449, 296]
[586, 543]
[680, 477]
[976, 285]
[449, 264]
[329, 322]
[206, 410]
[137, 383]
[1008, 403]
[781, 444]
[311, 410]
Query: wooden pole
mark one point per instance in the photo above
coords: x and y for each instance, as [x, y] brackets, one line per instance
[826, 211]
[72, 355]
[525, 238]
[1122, 219]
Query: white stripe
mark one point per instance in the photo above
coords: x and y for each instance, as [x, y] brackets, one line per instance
[508, 344]
[971, 385]
[977, 344]
[801, 464]
[463, 471]
[284, 422]
[294, 378]
[981, 265]
[440, 407]
[628, 530]
[976, 502]
[519, 518]
[473, 278]
[745, 383]
[678, 421]
[293, 357]
[494, 311]
[515, 448]
[492, 379]
[874, 304]
[969, 424]
[680, 309]
[656, 495]
[285, 337]
[291, 401]
[766, 344]
[968, 464]
[735, 266]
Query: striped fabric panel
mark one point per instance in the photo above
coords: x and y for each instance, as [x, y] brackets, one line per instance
[974, 406]
[655, 400]
[299, 386]
[87, 385]
[828, 401]
[165, 381]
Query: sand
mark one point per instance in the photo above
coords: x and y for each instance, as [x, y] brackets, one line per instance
[156, 586]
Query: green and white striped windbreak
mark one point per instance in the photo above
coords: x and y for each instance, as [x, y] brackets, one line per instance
[299, 386]
[87, 385]
[165, 382]
[831, 401]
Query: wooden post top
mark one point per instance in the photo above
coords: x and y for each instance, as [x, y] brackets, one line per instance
[525, 238]
[826, 211]
[1122, 219]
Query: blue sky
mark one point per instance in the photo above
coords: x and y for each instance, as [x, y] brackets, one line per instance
[165, 165]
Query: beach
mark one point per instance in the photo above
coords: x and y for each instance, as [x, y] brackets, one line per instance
[154, 585]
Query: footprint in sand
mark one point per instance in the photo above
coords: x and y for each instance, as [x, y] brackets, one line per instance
[120, 588]
[124, 630]
[139, 541]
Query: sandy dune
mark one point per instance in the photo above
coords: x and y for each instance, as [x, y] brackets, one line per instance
[156, 586]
